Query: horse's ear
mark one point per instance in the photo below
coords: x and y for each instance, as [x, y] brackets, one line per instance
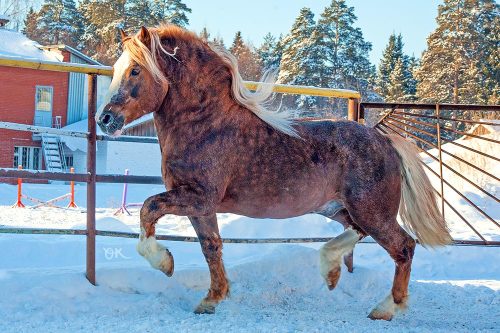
[144, 36]
[123, 34]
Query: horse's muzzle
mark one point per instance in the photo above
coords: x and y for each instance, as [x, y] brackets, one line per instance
[110, 122]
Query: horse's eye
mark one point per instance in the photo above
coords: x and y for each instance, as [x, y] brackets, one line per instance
[135, 71]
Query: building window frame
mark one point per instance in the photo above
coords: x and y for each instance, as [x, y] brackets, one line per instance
[39, 95]
[28, 156]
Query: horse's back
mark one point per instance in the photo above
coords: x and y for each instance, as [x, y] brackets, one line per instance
[361, 156]
[291, 176]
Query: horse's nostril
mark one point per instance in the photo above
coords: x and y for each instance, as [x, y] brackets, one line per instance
[106, 119]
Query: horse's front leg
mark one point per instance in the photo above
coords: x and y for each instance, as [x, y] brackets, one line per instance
[184, 201]
[211, 245]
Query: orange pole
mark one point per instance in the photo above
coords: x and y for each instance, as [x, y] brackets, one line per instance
[72, 203]
[19, 203]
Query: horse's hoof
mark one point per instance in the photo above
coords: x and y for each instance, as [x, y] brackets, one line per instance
[167, 264]
[380, 315]
[333, 277]
[386, 309]
[205, 308]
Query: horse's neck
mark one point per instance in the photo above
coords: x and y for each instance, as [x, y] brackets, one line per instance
[184, 125]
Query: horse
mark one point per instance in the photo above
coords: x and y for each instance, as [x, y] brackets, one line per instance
[223, 151]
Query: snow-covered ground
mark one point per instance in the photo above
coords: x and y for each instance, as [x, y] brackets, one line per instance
[274, 288]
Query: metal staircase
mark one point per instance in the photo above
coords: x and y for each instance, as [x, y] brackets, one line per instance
[53, 152]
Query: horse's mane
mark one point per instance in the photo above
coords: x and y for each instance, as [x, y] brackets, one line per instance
[254, 101]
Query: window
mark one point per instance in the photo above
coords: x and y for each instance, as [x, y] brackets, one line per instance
[69, 161]
[28, 157]
[43, 99]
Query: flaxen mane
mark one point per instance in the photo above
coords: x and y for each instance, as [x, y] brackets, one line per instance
[254, 101]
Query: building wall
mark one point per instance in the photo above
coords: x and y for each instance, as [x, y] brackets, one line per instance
[17, 104]
[80, 159]
[142, 159]
[144, 129]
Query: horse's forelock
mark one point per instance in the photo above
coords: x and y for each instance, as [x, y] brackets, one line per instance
[147, 55]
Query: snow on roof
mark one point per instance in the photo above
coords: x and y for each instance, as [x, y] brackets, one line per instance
[141, 120]
[15, 44]
[4, 17]
[75, 52]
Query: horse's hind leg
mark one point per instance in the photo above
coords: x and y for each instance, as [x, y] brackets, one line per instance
[376, 220]
[400, 247]
[333, 251]
[211, 245]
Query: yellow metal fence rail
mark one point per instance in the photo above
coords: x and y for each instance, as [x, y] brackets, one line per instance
[108, 71]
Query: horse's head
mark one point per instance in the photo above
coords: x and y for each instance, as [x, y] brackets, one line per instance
[197, 77]
[138, 85]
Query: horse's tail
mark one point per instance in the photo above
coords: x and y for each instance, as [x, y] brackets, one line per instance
[418, 207]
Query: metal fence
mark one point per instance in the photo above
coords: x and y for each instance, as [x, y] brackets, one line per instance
[91, 177]
[432, 126]
[397, 119]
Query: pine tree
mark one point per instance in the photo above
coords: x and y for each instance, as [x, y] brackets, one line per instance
[301, 62]
[453, 68]
[101, 39]
[344, 50]
[392, 55]
[219, 41]
[238, 45]
[204, 34]
[248, 61]
[488, 23]
[176, 12]
[31, 28]
[278, 50]
[267, 52]
[410, 80]
[386, 66]
[60, 22]
[396, 90]
[296, 44]
[140, 13]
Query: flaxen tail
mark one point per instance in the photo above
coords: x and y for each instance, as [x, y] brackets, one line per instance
[418, 208]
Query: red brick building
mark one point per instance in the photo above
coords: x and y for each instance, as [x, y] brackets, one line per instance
[43, 98]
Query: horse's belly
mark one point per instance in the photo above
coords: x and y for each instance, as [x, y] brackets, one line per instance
[277, 204]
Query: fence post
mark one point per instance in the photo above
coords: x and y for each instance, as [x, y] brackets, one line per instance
[438, 129]
[72, 203]
[91, 170]
[352, 109]
[353, 113]
[19, 202]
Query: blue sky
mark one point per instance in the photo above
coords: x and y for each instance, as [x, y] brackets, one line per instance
[414, 19]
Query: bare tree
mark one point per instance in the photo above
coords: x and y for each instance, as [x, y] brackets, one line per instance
[16, 11]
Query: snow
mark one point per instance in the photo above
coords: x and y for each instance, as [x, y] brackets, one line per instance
[274, 287]
[15, 44]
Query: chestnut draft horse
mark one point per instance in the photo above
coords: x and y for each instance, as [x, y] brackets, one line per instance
[222, 151]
